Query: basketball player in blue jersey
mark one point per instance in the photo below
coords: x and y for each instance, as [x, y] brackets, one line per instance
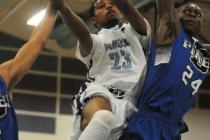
[178, 64]
[116, 61]
[13, 70]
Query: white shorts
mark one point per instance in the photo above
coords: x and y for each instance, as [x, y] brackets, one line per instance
[121, 108]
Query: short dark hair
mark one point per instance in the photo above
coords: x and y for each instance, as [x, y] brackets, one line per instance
[92, 9]
[192, 3]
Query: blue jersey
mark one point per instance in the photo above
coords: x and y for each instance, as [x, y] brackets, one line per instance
[169, 90]
[8, 122]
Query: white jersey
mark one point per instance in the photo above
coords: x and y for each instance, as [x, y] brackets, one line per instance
[117, 58]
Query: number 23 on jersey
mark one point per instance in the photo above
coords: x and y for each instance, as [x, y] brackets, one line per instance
[121, 60]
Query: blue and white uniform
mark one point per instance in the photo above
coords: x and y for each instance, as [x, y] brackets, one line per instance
[8, 122]
[116, 63]
[169, 90]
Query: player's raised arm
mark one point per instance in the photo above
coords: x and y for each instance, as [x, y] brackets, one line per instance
[76, 25]
[165, 7]
[15, 68]
[135, 18]
[168, 23]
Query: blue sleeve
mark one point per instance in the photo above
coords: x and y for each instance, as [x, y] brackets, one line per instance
[3, 87]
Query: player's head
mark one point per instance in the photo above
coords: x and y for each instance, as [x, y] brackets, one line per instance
[191, 17]
[104, 13]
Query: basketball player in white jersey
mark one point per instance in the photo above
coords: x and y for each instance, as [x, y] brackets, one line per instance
[116, 61]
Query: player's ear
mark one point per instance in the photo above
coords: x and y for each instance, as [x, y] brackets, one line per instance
[94, 21]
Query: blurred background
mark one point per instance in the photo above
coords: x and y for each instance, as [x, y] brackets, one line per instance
[42, 99]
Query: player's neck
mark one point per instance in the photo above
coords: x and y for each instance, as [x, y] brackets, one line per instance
[111, 24]
[195, 34]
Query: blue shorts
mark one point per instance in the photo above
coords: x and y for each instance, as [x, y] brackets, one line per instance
[147, 125]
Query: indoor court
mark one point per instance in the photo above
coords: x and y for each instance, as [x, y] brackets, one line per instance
[43, 98]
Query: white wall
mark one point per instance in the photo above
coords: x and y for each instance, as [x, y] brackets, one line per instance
[63, 129]
[198, 122]
[199, 125]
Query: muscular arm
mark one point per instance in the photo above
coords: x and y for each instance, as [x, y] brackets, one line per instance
[14, 69]
[164, 7]
[134, 17]
[168, 25]
[78, 27]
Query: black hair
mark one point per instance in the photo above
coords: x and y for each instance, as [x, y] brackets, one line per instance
[92, 9]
